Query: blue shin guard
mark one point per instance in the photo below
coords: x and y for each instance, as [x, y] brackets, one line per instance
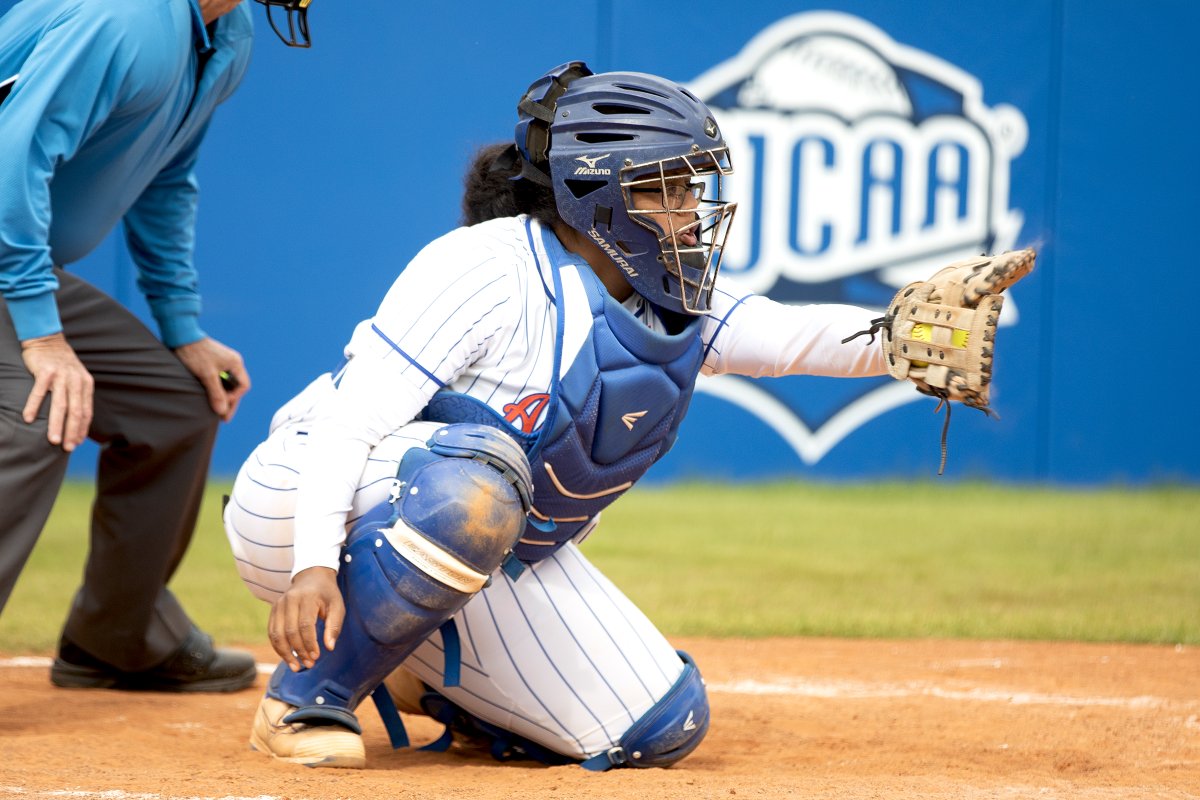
[456, 511]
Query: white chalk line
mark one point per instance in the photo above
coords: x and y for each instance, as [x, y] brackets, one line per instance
[117, 794]
[851, 690]
[842, 690]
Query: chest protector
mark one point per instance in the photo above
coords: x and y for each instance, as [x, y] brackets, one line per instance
[613, 414]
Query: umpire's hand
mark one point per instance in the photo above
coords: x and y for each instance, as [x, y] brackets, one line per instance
[220, 370]
[56, 369]
[292, 627]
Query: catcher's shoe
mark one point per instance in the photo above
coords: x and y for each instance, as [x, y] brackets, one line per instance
[303, 742]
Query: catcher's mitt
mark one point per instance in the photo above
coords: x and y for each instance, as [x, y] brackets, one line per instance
[941, 333]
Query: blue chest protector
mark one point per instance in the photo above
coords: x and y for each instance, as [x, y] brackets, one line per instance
[611, 416]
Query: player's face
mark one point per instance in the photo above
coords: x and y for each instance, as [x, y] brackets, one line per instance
[670, 200]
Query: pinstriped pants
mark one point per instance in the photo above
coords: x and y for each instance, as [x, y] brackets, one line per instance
[560, 656]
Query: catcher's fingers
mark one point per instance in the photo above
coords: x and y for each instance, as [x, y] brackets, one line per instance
[286, 637]
[287, 634]
[313, 594]
[335, 614]
[303, 636]
[278, 637]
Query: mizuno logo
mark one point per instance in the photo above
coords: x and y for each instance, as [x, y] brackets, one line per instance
[593, 160]
[591, 168]
[631, 418]
[613, 254]
[690, 723]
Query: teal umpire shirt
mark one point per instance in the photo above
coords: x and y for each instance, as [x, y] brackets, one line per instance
[103, 124]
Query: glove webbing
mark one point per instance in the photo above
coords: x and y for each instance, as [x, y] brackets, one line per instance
[885, 323]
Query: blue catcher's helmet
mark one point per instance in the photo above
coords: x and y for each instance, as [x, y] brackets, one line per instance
[599, 139]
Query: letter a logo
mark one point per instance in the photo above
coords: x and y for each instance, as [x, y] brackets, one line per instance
[524, 413]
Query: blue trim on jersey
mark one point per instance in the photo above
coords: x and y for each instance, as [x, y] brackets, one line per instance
[724, 320]
[551, 296]
[558, 258]
[410, 359]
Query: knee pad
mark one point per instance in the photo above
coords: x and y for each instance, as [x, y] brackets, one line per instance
[668, 732]
[454, 513]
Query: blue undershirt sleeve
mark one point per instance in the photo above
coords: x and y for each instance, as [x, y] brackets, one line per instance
[67, 87]
[160, 229]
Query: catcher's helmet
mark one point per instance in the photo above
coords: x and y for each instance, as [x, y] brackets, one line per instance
[597, 139]
[296, 14]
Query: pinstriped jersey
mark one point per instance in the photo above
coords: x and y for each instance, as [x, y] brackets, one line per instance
[475, 312]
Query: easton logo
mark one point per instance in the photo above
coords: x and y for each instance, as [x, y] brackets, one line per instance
[632, 417]
[864, 164]
[617, 258]
[525, 413]
[690, 723]
[591, 168]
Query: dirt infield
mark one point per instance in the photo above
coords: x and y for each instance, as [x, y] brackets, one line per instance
[811, 718]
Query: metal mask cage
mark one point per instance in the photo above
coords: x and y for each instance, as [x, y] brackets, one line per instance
[694, 267]
[296, 14]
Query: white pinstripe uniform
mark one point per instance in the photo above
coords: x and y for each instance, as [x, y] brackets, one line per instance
[559, 656]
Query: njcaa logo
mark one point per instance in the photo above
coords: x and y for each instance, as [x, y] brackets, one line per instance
[591, 168]
[862, 165]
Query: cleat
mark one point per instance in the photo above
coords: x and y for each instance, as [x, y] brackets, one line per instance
[312, 745]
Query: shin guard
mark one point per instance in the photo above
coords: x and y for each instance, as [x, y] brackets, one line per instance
[456, 511]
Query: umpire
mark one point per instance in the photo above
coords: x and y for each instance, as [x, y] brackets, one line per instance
[103, 105]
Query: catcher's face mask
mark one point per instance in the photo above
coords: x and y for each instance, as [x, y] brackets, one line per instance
[295, 14]
[679, 201]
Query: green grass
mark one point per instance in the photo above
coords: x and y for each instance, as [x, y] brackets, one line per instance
[795, 560]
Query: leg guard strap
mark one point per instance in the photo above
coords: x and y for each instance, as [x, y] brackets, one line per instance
[324, 715]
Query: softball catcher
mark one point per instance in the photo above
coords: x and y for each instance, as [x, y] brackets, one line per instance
[421, 505]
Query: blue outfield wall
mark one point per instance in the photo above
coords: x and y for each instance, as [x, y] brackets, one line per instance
[874, 142]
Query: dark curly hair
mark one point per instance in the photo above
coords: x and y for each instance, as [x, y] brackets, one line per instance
[489, 191]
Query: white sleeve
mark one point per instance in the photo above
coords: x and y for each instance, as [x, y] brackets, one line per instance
[748, 334]
[439, 317]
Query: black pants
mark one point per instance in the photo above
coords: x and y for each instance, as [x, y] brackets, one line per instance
[156, 432]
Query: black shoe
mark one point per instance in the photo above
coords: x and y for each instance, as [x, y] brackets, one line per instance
[195, 667]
